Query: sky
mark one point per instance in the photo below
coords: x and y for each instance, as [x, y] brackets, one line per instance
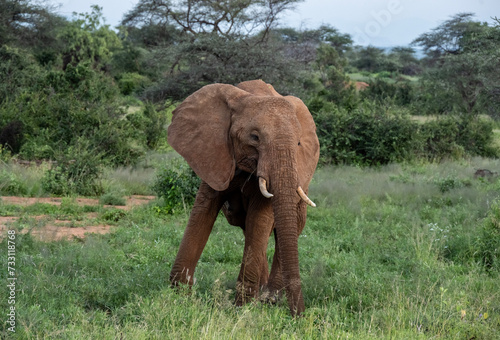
[382, 23]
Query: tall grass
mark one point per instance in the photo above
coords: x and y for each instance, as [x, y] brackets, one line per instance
[19, 180]
[393, 252]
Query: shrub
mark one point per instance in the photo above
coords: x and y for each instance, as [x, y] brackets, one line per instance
[438, 140]
[57, 107]
[382, 89]
[454, 137]
[488, 243]
[10, 184]
[131, 82]
[112, 199]
[373, 134]
[476, 136]
[78, 171]
[368, 135]
[149, 125]
[177, 184]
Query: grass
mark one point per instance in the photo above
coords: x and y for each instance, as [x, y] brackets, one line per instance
[16, 179]
[359, 76]
[393, 252]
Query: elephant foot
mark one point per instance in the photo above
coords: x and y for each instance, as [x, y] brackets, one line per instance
[270, 296]
[182, 278]
[245, 293]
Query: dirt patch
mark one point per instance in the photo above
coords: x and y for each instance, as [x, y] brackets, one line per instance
[132, 201]
[54, 230]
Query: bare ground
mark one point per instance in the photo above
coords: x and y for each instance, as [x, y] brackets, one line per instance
[55, 229]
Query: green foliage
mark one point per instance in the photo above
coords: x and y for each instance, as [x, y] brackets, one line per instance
[488, 242]
[29, 24]
[365, 135]
[18, 72]
[11, 184]
[450, 182]
[464, 58]
[400, 92]
[177, 184]
[112, 199]
[78, 172]
[87, 39]
[372, 134]
[113, 215]
[439, 139]
[150, 125]
[132, 82]
[58, 108]
[454, 137]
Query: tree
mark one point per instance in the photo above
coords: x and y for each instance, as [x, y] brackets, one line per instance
[405, 61]
[369, 59]
[211, 41]
[88, 39]
[302, 45]
[30, 25]
[230, 19]
[464, 56]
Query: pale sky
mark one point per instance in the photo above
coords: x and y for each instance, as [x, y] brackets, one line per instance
[382, 23]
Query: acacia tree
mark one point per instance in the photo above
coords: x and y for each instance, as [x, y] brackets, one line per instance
[31, 25]
[215, 41]
[229, 18]
[464, 60]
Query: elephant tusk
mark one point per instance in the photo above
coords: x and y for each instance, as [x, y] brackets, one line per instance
[263, 188]
[304, 197]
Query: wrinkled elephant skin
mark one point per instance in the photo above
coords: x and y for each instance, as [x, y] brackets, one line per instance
[256, 152]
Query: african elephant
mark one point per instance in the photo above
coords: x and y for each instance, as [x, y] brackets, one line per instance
[256, 152]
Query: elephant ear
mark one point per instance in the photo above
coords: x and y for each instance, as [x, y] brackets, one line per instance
[308, 152]
[199, 132]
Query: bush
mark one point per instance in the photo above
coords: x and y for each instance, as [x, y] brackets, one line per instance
[149, 125]
[454, 137]
[476, 136]
[367, 135]
[112, 199]
[78, 171]
[372, 134]
[11, 184]
[57, 107]
[438, 140]
[177, 184]
[382, 89]
[131, 82]
[488, 243]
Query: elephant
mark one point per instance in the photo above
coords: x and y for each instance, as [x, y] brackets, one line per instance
[255, 152]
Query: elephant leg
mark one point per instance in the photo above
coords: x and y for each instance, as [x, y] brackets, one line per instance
[276, 285]
[254, 268]
[207, 204]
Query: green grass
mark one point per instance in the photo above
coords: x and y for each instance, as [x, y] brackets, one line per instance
[18, 180]
[390, 253]
[365, 77]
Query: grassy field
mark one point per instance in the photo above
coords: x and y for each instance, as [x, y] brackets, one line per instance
[398, 252]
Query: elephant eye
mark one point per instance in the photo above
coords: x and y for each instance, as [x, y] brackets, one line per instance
[299, 144]
[254, 137]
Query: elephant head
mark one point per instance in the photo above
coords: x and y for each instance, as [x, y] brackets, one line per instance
[224, 131]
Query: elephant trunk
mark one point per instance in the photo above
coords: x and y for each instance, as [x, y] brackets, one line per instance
[284, 184]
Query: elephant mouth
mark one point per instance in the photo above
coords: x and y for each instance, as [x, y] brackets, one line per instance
[300, 192]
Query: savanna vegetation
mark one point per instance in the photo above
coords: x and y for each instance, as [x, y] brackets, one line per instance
[404, 242]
